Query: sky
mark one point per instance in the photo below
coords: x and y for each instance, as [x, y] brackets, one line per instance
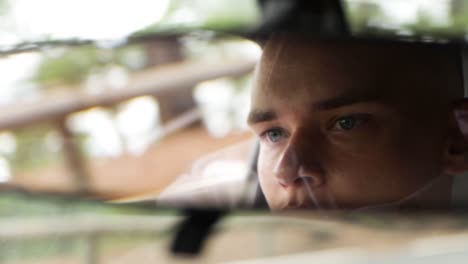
[102, 19]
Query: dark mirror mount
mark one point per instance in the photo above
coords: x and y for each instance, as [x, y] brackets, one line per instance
[303, 16]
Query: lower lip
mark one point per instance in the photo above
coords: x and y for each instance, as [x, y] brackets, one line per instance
[298, 207]
[294, 207]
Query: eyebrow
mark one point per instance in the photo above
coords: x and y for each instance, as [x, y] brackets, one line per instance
[344, 100]
[258, 116]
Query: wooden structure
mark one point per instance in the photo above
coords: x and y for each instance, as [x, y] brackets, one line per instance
[156, 81]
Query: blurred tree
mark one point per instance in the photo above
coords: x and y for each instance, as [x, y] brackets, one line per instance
[236, 14]
[72, 66]
[186, 14]
[458, 22]
[459, 16]
[32, 150]
[68, 68]
[368, 17]
[424, 22]
[362, 15]
[183, 15]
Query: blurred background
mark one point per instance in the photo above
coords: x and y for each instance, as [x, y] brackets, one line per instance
[116, 117]
[91, 101]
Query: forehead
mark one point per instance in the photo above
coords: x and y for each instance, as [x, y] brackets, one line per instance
[302, 69]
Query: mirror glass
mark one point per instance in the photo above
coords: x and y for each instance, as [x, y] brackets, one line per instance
[185, 120]
[109, 126]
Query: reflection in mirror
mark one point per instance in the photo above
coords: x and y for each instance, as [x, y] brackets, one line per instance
[358, 124]
[344, 124]
[337, 124]
[185, 120]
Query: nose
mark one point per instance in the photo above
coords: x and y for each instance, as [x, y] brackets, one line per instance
[297, 166]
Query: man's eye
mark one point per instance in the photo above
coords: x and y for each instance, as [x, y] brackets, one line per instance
[348, 123]
[274, 135]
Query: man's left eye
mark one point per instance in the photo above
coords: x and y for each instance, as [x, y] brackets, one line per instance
[348, 123]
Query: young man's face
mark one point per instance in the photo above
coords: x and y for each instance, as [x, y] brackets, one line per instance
[348, 125]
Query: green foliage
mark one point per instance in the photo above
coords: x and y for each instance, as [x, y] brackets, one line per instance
[238, 14]
[362, 14]
[73, 65]
[424, 23]
[459, 16]
[31, 149]
[209, 14]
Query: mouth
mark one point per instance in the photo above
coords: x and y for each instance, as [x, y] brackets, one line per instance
[297, 207]
[299, 200]
[298, 196]
[296, 204]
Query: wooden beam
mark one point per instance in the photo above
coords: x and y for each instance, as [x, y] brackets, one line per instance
[74, 159]
[149, 82]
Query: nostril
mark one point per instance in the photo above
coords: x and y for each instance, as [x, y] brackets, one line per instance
[310, 181]
[313, 178]
[304, 180]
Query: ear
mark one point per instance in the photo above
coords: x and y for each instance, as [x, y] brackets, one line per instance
[457, 151]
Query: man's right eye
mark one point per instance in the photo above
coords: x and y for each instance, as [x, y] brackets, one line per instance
[274, 135]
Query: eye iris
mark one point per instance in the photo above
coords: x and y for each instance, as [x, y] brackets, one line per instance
[274, 135]
[347, 123]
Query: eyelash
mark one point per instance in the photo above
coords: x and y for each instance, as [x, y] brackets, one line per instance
[264, 135]
[359, 119]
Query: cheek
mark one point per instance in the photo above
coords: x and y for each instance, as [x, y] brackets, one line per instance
[266, 169]
[417, 153]
[389, 168]
[266, 176]
[418, 162]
